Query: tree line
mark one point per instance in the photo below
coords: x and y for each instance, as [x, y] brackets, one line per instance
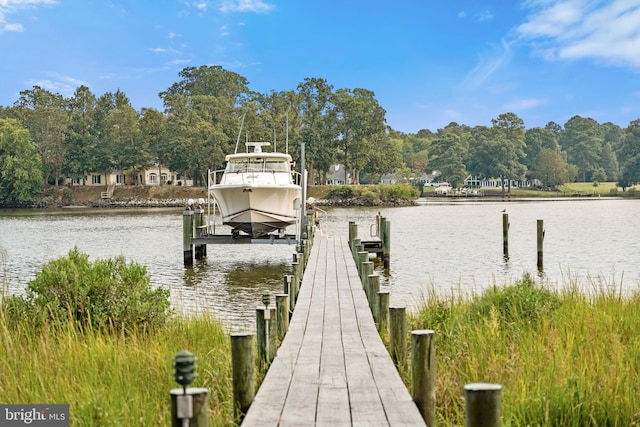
[45, 137]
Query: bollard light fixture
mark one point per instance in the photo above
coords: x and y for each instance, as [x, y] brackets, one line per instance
[185, 368]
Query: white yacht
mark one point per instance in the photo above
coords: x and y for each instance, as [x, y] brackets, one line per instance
[258, 192]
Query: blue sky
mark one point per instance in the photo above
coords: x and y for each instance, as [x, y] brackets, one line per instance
[429, 62]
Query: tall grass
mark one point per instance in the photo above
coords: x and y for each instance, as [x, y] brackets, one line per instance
[564, 357]
[114, 379]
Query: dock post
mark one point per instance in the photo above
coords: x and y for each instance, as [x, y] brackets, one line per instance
[365, 271]
[505, 236]
[198, 219]
[354, 251]
[200, 406]
[540, 239]
[289, 289]
[243, 372]
[282, 310]
[383, 311]
[423, 367]
[353, 233]
[482, 405]
[295, 269]
[386, 243]
[373, 287]
[187, 234]
[265, 319]
[397, 335]
[363, 256]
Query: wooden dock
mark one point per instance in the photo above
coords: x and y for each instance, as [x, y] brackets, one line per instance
[332, 369]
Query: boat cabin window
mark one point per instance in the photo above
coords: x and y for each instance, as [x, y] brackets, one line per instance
[276, 165]
[258, 164]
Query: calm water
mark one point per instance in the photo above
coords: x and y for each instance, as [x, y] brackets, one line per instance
[441, 244]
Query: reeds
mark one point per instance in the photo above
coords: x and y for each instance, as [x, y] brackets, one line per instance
[114, 379]
[564, 357]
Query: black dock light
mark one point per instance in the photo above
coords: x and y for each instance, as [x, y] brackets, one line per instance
[266, 299]
[185, 366]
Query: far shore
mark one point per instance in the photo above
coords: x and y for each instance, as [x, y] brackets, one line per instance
[166, 196]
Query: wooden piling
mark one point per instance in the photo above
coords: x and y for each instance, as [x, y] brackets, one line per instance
[373, 287]
[397, 335]
[423, 367]
[505, 235]
[266, 349]
[187, 234]
[282, 316]
[354, 247]
[366, 269]
[383, 311]
[540, 240]
[243, 373]
[482, 405]
[199, 405]
[363, 256]
[386, 243]
[289, 289]
[198, 220]
[353, 233]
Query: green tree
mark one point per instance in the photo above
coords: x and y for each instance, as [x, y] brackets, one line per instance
[582, 141]
[204, 111]
[629, 155]
[536, 140]
[20, 165]
[360, 120]
[550, 168]
[130, 153]
[447, 154]
[318, 126]
[496, 152]
[80, 138]
[43, 113]
[153, 129]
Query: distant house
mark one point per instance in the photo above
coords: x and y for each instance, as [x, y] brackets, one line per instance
[337, 175]
[428, 179]
[150, 176]
[389, 178]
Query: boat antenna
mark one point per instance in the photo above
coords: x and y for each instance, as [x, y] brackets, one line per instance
[240, 132]
[275, 141]
[287, 135]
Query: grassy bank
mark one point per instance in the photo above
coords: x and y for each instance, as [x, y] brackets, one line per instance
[563, 358]
[114, 380]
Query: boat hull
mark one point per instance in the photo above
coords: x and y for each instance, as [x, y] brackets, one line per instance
[258, 210]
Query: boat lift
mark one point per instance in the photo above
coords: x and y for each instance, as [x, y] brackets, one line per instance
[199, 232]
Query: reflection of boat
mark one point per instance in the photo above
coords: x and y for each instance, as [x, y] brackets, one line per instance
[257, 192]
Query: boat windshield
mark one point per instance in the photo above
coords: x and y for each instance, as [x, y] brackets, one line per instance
[258, 164]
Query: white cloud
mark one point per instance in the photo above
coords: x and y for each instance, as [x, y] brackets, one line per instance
[64, 85]
[10, 7]
[488, 64]
[257, 6]
[605, 31]
[524, 104]
[484, 15]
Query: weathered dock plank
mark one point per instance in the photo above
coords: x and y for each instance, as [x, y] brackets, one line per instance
[332, 368]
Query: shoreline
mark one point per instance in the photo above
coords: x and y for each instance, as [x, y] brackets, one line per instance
[170, 196]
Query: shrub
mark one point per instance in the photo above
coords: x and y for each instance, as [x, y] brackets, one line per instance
[340, 192]
[524, 302]
[104, 294]
[399, 191]
[370, 197]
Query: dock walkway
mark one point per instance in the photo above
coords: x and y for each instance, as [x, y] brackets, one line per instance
[332, 369]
